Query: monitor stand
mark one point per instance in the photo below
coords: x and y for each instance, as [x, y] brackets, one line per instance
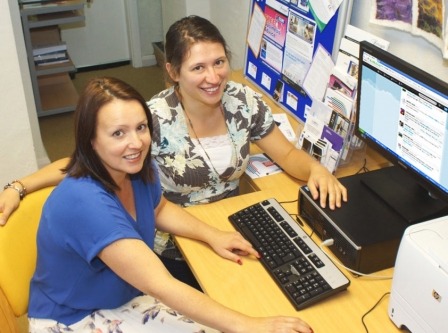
[403, 194]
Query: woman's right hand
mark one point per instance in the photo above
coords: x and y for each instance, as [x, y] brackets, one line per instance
[49, 175]
[279, 325]
[9, 202]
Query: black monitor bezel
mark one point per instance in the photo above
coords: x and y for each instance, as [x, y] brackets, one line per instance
[420, 75]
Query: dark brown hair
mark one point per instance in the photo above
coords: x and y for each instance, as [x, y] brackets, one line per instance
[85, 161]
[185, 32]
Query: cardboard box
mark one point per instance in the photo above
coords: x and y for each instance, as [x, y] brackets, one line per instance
[159, 52]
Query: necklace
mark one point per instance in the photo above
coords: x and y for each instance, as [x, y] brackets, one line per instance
[230, 170]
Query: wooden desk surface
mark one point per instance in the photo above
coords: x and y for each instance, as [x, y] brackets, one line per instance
[251, 290]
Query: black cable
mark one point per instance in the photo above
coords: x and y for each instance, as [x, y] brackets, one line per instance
[371, 309]
[299, 221]
[286, 202]
[363, 168]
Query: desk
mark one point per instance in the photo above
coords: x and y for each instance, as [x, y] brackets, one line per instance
[250, 289]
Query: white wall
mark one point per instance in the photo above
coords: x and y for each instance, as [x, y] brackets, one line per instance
[21, 148]
[150, 26]
[102, 38]
[230, 16]
[114, 31]
[172, 10]
[233, 26]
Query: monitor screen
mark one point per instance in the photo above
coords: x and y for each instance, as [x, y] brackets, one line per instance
[403, 114]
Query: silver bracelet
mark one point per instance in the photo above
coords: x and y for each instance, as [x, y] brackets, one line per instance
[21, 191]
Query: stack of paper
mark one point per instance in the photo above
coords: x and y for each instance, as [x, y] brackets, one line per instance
[261, 165]
[50, 54]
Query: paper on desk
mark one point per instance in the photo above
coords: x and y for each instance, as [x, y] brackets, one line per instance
[261, 165]
[284, 126]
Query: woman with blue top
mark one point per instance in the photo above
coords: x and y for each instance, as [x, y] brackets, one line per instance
[96, 270]
[203, 127]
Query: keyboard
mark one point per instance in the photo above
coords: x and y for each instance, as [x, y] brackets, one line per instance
[297, 264]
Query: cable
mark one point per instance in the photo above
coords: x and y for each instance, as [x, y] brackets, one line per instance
[296, 216]
[330, 242]
[298, 220]
[327, 242]
[371, 309]
[309, 221]
[363, 168]
[285, 202]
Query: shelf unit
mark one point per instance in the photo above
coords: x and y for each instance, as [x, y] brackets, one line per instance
[52, 86]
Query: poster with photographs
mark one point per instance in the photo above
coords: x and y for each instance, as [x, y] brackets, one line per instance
[282, 40]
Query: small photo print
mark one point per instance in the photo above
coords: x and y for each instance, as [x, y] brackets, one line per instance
[278, 91]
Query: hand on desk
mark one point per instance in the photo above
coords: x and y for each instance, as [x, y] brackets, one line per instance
[282, 325]
[231, 245]
[324, 185]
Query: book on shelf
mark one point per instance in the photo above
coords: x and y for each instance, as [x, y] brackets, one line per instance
[49, 48]
[34, 1]
[38, 3]
[50, 56]
[52, 62]
[51, 59]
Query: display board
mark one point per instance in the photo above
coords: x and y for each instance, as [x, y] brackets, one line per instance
[282, 40]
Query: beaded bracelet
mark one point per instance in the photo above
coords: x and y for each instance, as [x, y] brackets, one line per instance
[22, 191]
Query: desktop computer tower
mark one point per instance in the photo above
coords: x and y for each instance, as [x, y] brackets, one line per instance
[366, 231]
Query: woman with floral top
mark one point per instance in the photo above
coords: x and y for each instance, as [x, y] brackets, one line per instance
[203, 127]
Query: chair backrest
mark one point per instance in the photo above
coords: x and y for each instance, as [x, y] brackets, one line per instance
[18, 252]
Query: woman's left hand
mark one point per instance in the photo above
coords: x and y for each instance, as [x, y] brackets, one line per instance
[9, 202]
[232, 246]
[323, 185]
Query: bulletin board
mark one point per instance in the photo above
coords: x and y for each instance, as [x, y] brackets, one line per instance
[282, 39]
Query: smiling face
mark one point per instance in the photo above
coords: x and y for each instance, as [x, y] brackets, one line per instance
[122, 137]
[203, 75]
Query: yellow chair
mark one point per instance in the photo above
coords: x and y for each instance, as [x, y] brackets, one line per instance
[18, 259]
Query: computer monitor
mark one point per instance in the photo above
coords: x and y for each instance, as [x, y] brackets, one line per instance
[402, 112]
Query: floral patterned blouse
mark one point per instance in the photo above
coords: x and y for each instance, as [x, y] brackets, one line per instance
[186, 177]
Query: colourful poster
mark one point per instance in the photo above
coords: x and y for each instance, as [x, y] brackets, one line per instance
[276, 25]
[426, 18]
